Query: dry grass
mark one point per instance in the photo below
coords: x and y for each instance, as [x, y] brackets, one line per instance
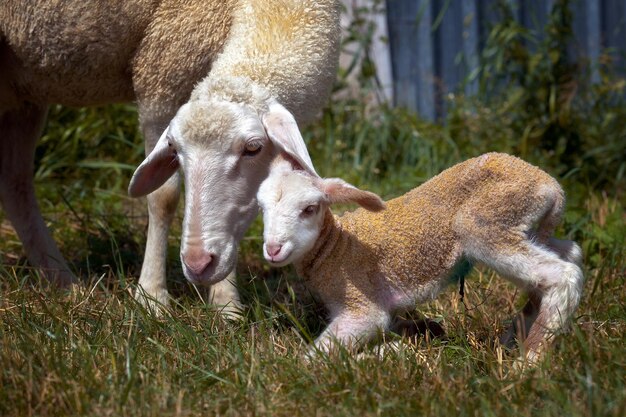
[96, 352]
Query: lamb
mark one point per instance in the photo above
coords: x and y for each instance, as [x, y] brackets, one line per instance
[245, 73]
[366, 265]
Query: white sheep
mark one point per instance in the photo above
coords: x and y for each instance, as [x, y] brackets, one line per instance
[365, 266]
[255, 67]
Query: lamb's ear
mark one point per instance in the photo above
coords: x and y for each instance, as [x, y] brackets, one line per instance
[282, 129]
[339, 191]
[157, 168]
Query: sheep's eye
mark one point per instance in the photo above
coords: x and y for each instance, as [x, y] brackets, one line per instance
[310, 210]
[253, 147]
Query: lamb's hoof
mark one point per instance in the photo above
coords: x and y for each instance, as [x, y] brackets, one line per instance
[525, 364]
[311, 355]
[320, 354]
[508, 339]
[155, 301]
[519, 367]
[381, 351]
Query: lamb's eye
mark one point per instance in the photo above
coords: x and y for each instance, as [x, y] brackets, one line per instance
[171, 146]
[253, 147]
[310, 210]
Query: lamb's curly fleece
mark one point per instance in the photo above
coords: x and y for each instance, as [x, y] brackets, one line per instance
[495, 209]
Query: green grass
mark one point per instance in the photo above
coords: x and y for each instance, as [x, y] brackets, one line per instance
[97, 352]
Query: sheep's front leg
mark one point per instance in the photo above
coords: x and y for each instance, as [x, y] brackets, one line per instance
[225, 297]
[152, 290]
[352, 330]
[162, 203]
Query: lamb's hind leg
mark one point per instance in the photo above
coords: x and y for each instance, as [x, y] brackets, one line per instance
[554, 286]
[522, 322]
[19, 131]
[568, 251]
[560, 296]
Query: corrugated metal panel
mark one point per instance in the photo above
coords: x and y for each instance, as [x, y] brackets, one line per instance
[435, 44]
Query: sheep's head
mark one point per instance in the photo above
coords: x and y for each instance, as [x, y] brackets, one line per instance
[294, 204]
[224, 149]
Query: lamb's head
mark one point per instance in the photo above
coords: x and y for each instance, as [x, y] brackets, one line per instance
[224, 149]
[294, 205]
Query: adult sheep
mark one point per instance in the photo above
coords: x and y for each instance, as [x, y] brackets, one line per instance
[230, 77]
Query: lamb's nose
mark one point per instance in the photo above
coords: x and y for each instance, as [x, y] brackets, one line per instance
[273, 249]
[197, 260]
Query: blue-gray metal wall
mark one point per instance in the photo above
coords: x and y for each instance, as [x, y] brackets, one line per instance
[435, 44]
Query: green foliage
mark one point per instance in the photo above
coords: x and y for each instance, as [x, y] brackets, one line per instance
[386, 143]
[79, 140]
[533, 101]
[357, 43]
[541, 106]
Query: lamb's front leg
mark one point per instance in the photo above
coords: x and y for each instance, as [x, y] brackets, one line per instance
[352, 330]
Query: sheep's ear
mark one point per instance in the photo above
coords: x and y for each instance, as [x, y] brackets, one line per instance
[157, 168]
[286, 162]
[339, 191]
[282, 129]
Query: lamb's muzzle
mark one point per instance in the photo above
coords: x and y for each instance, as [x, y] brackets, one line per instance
[275, 253]
[366, 266]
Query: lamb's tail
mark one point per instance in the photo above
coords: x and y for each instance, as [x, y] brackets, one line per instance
[566, 249]
[555, 204]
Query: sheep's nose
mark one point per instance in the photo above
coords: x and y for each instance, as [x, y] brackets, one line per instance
[197, 260]
[273, 249]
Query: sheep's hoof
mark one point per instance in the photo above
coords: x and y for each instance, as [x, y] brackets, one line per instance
[232, 311]
[155, 301]
[59, 277]
[225, 298]
[65, 279]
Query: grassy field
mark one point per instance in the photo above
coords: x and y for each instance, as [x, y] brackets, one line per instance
[97, 352]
